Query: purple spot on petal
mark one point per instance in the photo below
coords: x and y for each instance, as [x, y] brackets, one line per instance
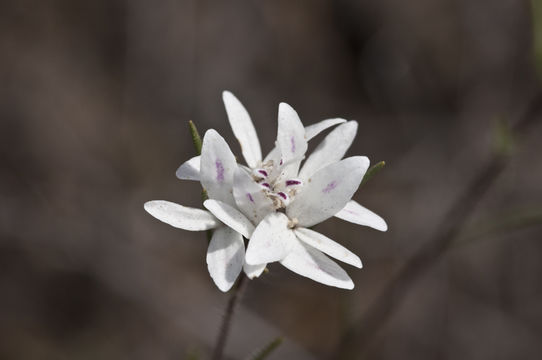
[219, 171]
[263, 172]
[292, 182]
[250, 197]
[332, 185]
[280, 162]
[292, 142]
[282, 195]
[266, 185]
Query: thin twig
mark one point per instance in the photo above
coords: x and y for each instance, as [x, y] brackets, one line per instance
[360, 333]
[228, 316]
[268, 349]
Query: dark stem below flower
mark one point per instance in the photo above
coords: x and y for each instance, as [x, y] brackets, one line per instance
[228, 317]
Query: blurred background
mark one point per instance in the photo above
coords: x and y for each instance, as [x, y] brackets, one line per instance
[95, 97]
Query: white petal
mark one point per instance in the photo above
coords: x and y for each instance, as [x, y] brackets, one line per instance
[331, 149]
[271, 241]
[274, 155]
[328, 246]
[230, 216]
[189, 170]
[217, 167]
[315, 129]
[243, 129]
[328, 191]
[309, 262]
[360, 215]
[291, 134]
[181, 217]
[225, 257]
[253, 271]
[310, 132]
[250, 197]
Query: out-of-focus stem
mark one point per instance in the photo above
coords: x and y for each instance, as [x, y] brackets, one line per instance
[358, 335]
[225, 327]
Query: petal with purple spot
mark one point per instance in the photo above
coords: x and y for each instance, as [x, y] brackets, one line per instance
[217, 167]
[328, 191]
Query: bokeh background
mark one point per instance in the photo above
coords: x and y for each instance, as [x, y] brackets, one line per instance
[94, 102]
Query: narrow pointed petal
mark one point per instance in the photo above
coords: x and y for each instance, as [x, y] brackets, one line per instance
[217, 167]
[271, 241]
[327, 246]
[225, 257]
[310, 132]
[274, 155]
[230, 216]
[291, 134]
[315, 129]
[243, 129]
[328, 191]
[331, 149]
[357, 214]
[309, 262]
[250, 197]
[253, 271]
[189, 170]
[181, 217]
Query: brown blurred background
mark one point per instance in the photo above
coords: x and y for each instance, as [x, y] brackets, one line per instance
[94, 102]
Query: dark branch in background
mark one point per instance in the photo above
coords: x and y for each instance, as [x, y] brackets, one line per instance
[228, 316]
[358, 335]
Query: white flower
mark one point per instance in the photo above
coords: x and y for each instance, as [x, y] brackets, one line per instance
[272, 202]
[216, 169]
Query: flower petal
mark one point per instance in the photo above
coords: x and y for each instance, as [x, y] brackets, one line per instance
[230, 216]
[357, 214]
[274, 155]
[331, 149]
[225, 257]
[310, 132]
[328, 191]
[253, 271]
[181, 217]
[189, 170]
[315, 129]
[250, 198]
[309, 262]
[327, 246]
[243, 129]
[271, 241]
[217, 167]
[291, 134]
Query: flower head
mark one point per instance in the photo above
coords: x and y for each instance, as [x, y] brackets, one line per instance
[273, 202]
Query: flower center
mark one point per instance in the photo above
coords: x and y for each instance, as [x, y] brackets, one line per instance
[280, 189]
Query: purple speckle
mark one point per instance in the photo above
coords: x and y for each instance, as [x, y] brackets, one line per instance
[292, 142]
[263, 172]
[292, 182]
[266, 185]
[332, 185]
[280, 162]
[282, 195]
[250, 197]
[219, 171]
